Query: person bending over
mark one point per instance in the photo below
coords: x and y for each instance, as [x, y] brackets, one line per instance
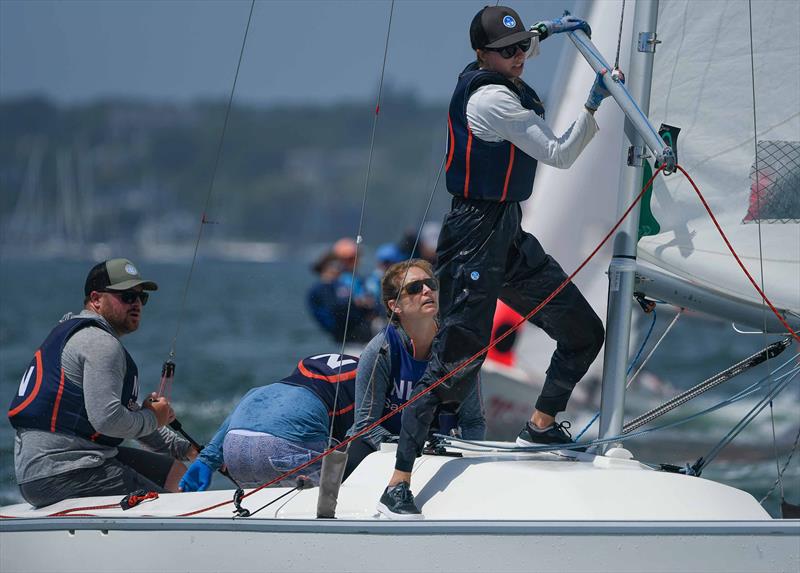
[280, 426]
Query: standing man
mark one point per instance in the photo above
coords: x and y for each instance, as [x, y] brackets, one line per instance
[497, 135]
[78, 401]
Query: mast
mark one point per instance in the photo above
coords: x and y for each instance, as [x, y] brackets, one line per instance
[621, 271]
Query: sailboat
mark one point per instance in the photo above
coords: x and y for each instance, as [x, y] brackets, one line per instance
[488, 506]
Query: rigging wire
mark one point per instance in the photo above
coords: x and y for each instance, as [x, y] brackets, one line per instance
[781, 472]
[619, 38]
[204, 220]
[758, 222]
[776, 387]
[768, 352]
[363, 209]
[630, 367]
[656, 345]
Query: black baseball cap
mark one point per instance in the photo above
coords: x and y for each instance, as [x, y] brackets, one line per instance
[115, 274]
[497, 27]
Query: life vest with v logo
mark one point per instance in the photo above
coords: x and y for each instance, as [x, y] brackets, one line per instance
[47, 400]
[486, 170]
[406, 372]
[332, 377]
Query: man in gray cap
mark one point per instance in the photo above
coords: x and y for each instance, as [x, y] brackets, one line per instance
[78, 400]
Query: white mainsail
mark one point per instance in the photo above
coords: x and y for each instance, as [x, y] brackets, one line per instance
[702, 83]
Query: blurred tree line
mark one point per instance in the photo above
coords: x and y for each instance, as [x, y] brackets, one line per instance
[285, 173]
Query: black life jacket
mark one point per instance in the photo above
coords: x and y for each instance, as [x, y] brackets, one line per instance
[477, 169]
[47, 400]
[322, 374]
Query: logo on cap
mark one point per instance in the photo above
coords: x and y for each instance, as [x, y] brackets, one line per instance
[509, 22]
[131, 270]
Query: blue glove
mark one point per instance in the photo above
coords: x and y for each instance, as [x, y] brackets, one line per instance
[197, 477]
[599, 92]
[566, 23]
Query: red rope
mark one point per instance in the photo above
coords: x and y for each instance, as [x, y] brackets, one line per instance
[86, 508]
[132, 501]
[736, 256]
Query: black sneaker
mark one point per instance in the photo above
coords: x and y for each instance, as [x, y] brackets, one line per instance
[397, 502]
[558, 433]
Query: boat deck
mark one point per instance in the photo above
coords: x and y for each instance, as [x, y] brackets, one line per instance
[480, 485]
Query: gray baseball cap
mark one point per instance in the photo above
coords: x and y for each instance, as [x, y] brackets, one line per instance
[115, 274]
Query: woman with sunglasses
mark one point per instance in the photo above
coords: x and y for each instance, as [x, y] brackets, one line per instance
[496, 137]
[396, 358]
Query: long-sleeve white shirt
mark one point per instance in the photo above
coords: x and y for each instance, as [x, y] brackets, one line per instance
[494, 113]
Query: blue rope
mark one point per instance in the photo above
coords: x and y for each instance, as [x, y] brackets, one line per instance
[754, 411]
[627, 372]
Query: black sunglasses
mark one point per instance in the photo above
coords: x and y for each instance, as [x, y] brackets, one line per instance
[130, 296]
[415, 287]
[510, 51]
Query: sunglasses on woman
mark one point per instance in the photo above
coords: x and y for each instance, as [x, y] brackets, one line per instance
[415, 287]
[510, 51]
[130, 296]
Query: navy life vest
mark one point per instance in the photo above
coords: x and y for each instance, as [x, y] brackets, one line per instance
[477, 169]
[322, 374]
[47, 400]
[406, 372]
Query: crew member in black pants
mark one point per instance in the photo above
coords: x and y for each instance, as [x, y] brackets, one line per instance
[497, 134]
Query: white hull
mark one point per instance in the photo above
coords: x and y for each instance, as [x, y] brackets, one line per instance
[199, 545]
[485, 511]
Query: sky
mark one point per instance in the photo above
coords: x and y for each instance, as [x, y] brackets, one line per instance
[77, 51]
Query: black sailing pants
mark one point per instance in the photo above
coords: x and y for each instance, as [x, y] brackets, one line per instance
[483, 254]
